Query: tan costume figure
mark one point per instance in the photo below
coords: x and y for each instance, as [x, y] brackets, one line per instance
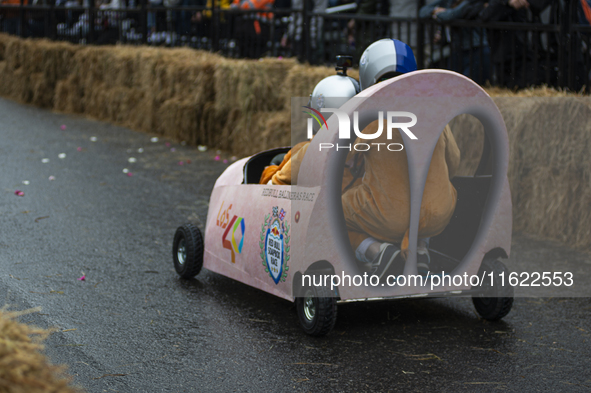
[379, 206]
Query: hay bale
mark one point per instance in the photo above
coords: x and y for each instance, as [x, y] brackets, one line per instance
[251, 85]
[178, 119]
[5, 39]
[23, 367]
[553, 170]
[56, 63]
[68, 96]
[6, 79]
[144, 116]
[42, 92]
[21, 86]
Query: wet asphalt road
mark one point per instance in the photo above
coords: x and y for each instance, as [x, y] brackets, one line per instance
[133, 326]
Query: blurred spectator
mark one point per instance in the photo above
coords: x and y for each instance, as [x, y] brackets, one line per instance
[470, 54]
[203, 19]
[295, 32]
[183, 18]
[108, 21]
[253, 30]
[405, 9]
[359, 37]
[584, 12]
[509, 46]
[156, 21]
[280, 22]
[12, 24]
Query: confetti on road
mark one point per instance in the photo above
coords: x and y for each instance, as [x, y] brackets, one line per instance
[131, 159]
[154, 140]
[233, 158]
[79, 148]
[83, 278]
[26, 182]
[125, 170]
[167, 144]
[93, 138]
[202, 148]
[129, 174]
[172, 149]
[217, 158]
[188, 161]
[45, 160]
[140, 150]
[181, 163]
[51, 178]
[225, 161]
[19, 193]
[63, 127]
[62, 155]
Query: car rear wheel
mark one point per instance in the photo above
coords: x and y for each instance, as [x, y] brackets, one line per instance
[495, 301]
[187, 251]
[317, 311]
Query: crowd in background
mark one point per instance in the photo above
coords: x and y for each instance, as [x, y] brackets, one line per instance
[276, 28]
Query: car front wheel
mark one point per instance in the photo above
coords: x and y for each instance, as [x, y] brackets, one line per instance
[187, 251]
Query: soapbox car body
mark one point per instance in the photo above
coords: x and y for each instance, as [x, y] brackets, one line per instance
[274, 237]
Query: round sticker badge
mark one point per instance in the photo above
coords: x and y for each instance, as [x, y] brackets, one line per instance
[274, 243]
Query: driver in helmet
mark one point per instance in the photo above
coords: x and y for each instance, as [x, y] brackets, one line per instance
[331, 92]
[376, 186]
[376, 206]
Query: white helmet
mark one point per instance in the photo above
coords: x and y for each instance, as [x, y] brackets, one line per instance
[386, 56]
[333, 92]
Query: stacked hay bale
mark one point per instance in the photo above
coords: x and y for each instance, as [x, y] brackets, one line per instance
[23, 368]
[249, 100]
[30, 69]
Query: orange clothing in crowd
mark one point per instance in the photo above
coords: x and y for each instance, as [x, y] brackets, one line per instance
[256, 5]
[12, 14]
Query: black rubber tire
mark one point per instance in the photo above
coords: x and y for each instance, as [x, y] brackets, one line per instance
[495, 301]
[325, 315]
[189, 236]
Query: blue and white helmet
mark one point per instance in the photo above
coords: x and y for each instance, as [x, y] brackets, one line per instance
[386, 56]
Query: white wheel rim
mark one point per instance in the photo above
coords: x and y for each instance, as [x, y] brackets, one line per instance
[181, 253]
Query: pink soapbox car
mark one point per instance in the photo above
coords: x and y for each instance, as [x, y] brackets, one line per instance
[285, 239]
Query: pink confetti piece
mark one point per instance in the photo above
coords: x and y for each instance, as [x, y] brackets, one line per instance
[172, 149]
[129, 174]
[63, 127]
[19, 193]
[83, 278]
[225, 161]
[51, 178]
[79, 148]
[167, 144]
[217, 158]
[181, 163]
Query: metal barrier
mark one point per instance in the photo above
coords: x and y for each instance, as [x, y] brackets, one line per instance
[501, 53]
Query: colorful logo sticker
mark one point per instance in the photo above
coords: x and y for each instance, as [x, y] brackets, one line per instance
[275, 244]
[234, 244]
[316, 115]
